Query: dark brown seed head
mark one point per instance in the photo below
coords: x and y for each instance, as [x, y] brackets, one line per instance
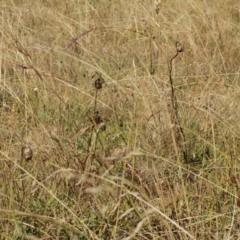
[98, 80]
[98, 83]
[97, 118]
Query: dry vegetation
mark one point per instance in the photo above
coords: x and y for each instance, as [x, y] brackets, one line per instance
[70, 69]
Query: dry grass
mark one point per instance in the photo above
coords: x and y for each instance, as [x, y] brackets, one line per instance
[131, 180]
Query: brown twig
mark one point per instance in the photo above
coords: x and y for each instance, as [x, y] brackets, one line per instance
[74, 40]
[77, 37]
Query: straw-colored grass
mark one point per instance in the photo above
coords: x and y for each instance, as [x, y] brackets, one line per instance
[139, 178]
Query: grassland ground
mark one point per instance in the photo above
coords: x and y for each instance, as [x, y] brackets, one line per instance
[103, 136]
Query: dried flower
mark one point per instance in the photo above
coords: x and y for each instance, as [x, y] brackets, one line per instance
[97, 117]
[99, 80]
[102, 126]
[98, 83]
[27, 153]
[98, 120]
[179, 47]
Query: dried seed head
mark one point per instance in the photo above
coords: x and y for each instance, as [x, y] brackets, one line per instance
[98, 80]
[27, 153]
[157, 6]
[179, 47]
[97, 118]
[98, 83]
[102, 126]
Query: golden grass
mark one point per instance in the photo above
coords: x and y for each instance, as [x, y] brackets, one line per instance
[130, 181]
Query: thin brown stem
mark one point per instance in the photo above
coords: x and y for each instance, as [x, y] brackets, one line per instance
[180, 137]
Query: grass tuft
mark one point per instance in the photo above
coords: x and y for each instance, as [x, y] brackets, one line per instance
[110, 129]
